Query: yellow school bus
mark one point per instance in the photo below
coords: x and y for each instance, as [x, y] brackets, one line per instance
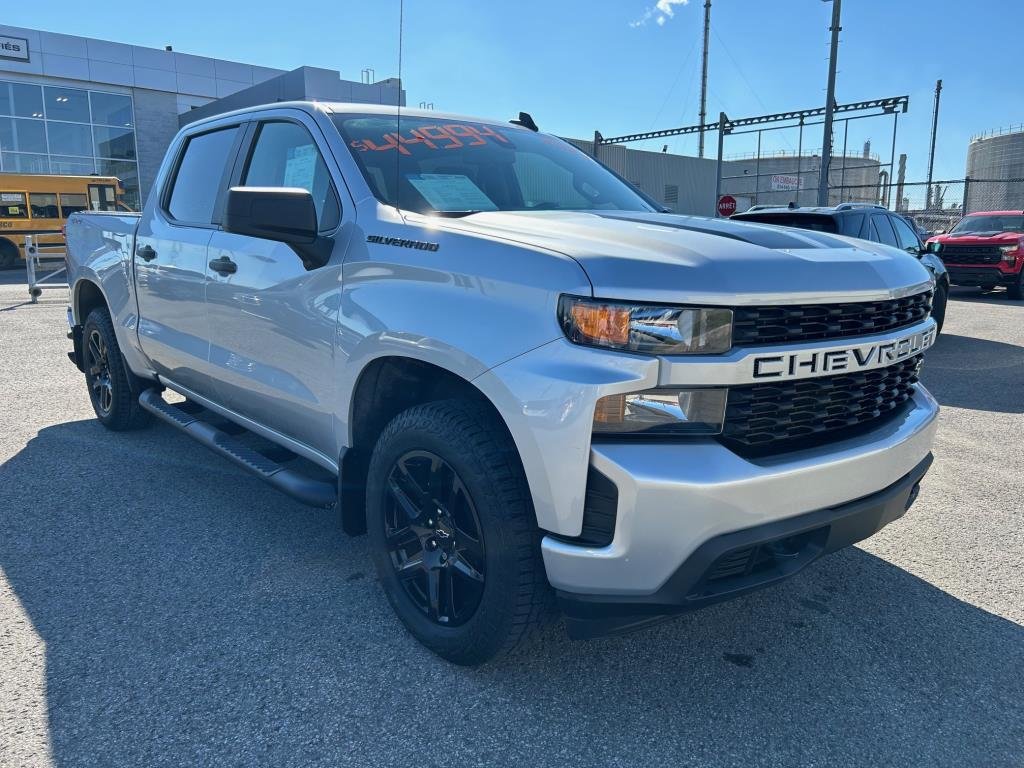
[39, 205]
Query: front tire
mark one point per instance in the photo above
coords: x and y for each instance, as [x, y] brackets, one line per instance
[114, 400]
[1016, 291]
[453, 532]
[939, 302]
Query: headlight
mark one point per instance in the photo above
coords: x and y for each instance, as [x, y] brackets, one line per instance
[662, 412]
[656, 330]
[934, 246]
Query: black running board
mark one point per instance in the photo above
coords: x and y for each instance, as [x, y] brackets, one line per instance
[301, 487]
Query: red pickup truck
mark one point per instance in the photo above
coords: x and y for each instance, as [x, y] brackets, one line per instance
[985, 249]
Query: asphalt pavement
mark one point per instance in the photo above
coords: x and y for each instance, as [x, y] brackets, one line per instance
[159, 606]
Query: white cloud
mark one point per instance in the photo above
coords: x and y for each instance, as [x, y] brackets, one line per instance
[661, 12]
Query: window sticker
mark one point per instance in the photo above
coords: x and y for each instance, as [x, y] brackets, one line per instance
[434, 137]
[12, 197]
[451, 192]
[300, 167]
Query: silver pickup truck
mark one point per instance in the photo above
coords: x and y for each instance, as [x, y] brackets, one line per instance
[532, 388]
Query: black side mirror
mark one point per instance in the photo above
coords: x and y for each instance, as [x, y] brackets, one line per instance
[282, 214]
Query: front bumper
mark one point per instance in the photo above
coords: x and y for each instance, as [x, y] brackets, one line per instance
[981, 276]
[732, 564]
[673, 498]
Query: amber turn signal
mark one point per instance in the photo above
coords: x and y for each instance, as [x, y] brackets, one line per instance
[602, 323]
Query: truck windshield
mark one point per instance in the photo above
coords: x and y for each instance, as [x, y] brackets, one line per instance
[978, 224]
[457, 167]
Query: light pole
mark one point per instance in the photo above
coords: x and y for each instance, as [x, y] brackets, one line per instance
[931, 147]
[830, 104]
[704, 77]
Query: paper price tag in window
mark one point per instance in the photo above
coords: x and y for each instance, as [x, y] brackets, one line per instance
[13, 210]
[300, 167]
[451, 192]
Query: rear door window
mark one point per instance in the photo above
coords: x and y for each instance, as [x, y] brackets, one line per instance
[907, 237]
[883, 230]
[200, 176]
[851, 224]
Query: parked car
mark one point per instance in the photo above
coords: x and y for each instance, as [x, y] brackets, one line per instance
[868, 222]
[985, 249]
[522, 381]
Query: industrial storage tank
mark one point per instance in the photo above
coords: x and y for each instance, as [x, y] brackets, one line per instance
[995, 166]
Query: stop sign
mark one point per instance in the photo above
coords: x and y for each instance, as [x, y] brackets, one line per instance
[726, 205]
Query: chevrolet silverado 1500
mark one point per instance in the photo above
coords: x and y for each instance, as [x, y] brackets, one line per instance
[529, 387]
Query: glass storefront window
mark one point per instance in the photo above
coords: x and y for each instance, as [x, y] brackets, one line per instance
[69, 138]
[118, 143]
[111, 109]
[69, 131]
[22, 135]
[19, 162]
[72, 166]
[67, 104]
[21, 100]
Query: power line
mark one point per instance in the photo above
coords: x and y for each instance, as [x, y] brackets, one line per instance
[675, 82]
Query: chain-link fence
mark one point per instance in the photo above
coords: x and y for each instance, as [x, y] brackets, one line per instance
[938, 206]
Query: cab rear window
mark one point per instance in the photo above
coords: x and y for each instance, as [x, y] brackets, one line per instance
[813, 222]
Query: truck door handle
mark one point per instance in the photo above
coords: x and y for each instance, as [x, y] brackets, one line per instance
[223, 266]
[145, 252]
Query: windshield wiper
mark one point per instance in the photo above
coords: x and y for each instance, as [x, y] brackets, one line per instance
[456, 214]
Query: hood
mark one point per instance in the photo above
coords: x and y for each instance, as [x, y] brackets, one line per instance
[689, 259]
[979, 238]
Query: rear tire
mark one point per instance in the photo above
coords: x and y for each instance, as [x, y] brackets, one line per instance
[114, 398]
[453, 532]
[939, 302]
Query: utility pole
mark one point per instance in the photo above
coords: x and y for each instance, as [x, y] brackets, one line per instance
[931, 146]
[704, 78]
[830, 105]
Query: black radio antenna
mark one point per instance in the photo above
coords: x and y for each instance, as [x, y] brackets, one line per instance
[398, 120]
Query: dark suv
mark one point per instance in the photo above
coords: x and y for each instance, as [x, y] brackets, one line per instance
[868, 222]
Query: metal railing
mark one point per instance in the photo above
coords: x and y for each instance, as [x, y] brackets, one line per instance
[36, 255]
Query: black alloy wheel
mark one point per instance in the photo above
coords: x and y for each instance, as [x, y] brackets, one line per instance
[434, 538]
[453, 533]
[113, 389]
[97, 366]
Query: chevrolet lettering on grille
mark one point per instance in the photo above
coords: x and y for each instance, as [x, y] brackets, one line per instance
[859, 357]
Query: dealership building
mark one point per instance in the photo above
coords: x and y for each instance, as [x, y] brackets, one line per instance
[76, 105]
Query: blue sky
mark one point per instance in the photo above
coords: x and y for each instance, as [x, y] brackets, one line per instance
[577, 66]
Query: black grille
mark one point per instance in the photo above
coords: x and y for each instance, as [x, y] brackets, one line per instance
[809, 322]
[971, 254]
[765, 418]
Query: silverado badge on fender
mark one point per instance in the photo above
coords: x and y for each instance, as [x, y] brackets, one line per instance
[401, 242]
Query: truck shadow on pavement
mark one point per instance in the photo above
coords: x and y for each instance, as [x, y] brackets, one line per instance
[969, 372]
[977, 296]
[191, 615]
